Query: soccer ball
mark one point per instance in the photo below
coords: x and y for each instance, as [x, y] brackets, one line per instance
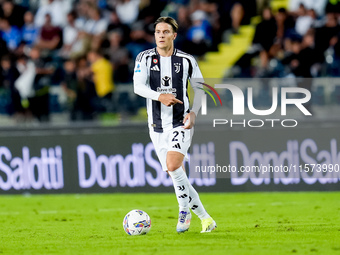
[137, 222]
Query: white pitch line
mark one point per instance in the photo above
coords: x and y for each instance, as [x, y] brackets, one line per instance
[48, 212]
[146, 209]
[272, 204]
[248, 204]
[108, 209]
[101, 210]
[9, 213]
[276, 203]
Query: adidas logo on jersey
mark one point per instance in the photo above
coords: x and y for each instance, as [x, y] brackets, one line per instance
[155, 68]
[177, 146]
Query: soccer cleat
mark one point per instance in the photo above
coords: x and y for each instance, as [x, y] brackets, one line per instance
[208, 225]
[183, 223]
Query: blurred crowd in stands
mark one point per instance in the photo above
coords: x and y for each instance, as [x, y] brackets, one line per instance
[88, 47]
[303, 41]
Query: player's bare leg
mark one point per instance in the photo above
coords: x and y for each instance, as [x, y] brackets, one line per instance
[174, 161]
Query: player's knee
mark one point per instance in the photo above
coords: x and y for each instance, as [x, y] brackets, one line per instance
[174, 160]
[172, 166]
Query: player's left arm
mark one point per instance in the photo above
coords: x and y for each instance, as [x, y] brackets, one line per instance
[195, 80]
[189, 120]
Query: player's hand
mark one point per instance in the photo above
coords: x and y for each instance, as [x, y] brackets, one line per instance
[189, 120]
[169, 99]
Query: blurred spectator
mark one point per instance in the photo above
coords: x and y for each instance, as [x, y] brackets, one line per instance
[325, 36]
[237, 14]
[13, 13]
[234, 13]
[300, 62]
[115, 24]
[95, 27]
[75, 42]
[24, 83]
[139, 40]
[70, 34]
[39, 102]
[183, 18]
[85, 93]
[127, 10]
[50, 36]
[119, 57]
[70, 86]
[81, 94]
[9, 74]
[103, 81]
[155, 8]
[199, 35]
[3, 45]
[265, 34]
[285, 24]
[82, 9]
[317, 5]
[302, 56]
[171, 9]
[57, 9]
[29, 31]
[10, 34]
[262, 44]
[211, 9]
[305, 21]
[307, 57]
[333, 60]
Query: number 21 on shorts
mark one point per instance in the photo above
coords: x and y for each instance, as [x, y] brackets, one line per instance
[175, 137]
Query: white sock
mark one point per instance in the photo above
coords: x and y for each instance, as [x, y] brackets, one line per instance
[181, 185]
[196, 205]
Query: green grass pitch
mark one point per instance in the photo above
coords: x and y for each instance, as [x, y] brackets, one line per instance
[248, 223]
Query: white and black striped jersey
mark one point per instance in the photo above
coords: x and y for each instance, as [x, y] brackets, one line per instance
[155, 75]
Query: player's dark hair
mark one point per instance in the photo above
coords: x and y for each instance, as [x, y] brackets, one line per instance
[172, 22]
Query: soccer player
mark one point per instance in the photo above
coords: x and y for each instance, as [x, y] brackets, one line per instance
[161, 76]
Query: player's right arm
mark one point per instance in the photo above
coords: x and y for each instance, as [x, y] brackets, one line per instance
[169, 99]
[140, 81]
[141, 77]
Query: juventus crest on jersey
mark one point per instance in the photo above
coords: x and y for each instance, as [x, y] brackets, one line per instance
[155, 75]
